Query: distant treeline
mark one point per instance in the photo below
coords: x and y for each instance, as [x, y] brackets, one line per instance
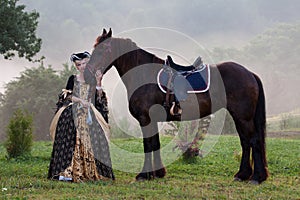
[274, 55]
[74, 23]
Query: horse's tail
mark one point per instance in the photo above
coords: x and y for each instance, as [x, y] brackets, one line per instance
[260, 118]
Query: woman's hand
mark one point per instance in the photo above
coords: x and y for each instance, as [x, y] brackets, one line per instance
[85, 104]
[98, 76]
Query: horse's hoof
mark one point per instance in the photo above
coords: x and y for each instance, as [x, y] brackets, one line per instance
[237, 179]
[140, 179]
[160, 173]
[243, 175]
[258, 179]
[144, 176]
[254, 182]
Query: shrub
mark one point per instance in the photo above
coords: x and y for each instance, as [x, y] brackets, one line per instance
[284, 122]
[190, 133]
[19, 134]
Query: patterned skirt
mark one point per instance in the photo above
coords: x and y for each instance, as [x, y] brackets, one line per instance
[80, 150]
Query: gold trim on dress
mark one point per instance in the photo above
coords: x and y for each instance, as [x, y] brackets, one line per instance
[55, 120]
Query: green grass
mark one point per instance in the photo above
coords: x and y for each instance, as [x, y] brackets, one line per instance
[210, 177]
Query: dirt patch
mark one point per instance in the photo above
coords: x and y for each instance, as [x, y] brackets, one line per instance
[284, 134]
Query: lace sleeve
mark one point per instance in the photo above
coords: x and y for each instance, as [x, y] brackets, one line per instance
[64, 99]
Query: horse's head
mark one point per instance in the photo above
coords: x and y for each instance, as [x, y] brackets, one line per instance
[109, 51]
[101, 58]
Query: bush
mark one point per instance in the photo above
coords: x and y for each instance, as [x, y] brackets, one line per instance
[19, 135]
[190, 134]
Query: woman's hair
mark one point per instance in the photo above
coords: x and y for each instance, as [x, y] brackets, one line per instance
[79, 56]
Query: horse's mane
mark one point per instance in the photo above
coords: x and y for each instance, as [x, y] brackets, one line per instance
[99, 39]
[125, 41]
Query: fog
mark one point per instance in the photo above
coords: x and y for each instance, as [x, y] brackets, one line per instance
[185, 29]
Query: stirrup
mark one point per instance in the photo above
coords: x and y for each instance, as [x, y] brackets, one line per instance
[179, 111]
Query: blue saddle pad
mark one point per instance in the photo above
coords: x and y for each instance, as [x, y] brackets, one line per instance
[189, 82]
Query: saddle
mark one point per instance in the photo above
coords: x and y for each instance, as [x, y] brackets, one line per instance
[180, 80]
[177, 67]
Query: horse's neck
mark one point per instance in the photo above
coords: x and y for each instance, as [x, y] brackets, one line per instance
[138, 68]
[137, 58]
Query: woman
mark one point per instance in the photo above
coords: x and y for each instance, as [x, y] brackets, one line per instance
[80, 149]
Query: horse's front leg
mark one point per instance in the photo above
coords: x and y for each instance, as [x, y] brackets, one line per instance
[151, 147]
[158, 167]
[147, 171]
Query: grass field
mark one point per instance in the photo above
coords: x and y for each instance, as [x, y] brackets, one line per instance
[210, 177]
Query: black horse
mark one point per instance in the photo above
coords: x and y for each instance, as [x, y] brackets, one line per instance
[232, 87]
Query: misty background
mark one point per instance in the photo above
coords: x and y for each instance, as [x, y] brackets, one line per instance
[263, 35]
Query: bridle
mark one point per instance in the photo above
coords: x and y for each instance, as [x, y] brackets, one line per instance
[106, 53]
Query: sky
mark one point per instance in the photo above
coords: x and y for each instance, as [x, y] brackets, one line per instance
[184, 29]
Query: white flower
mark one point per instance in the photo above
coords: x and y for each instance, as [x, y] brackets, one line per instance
[4, 189]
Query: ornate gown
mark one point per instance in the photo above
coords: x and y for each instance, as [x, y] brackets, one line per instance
[80, 149]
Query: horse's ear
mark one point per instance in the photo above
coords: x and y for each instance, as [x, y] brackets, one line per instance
[109, 33]
[104, 32]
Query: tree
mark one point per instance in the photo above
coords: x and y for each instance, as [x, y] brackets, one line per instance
[18, 31]
[36, 91]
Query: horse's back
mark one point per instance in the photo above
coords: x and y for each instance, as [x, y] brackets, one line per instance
[234, 70]
[236, 76]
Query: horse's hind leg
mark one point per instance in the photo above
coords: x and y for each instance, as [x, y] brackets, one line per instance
[245, 129]
[258, 140]
[260, 173]
[251, 139]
